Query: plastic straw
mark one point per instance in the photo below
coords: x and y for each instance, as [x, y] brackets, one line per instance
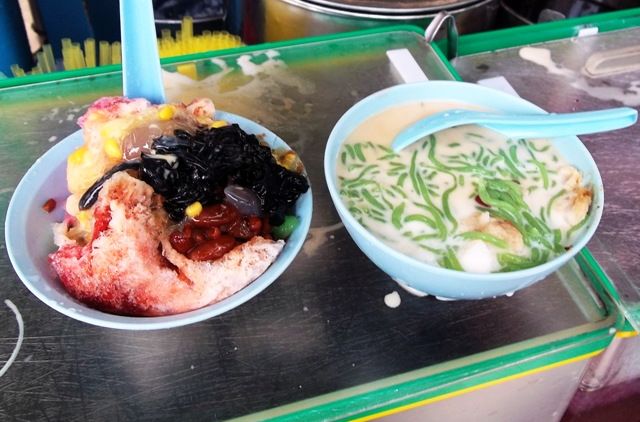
[78, 57]
[187, 28]
[105, 53]
[17, 70]
[40, 63]
[116, 53]
[50, 62]
[66, 43]
[67, 60]
[90, 52]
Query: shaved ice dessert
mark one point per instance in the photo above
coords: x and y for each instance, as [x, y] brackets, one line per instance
[170, 209]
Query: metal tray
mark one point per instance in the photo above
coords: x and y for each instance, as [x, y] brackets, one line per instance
[319, 342]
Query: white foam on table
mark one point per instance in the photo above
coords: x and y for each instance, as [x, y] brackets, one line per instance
[16, 349]
[392, 299]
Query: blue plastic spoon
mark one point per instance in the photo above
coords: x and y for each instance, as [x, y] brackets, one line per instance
[520, 125]
[141, 73]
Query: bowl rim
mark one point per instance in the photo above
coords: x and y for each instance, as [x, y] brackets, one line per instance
[330, 176]
[56, 156]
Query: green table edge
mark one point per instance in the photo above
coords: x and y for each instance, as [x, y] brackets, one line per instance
[425, 386]
[548, 31]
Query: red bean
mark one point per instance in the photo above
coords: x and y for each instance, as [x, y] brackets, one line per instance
[198, 236]
[212, 233]
[255, 224]
[215, 216]
[49, 205]
[180, 241]
[212, 249]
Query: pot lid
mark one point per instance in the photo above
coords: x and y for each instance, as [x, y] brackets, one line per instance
[393, 6]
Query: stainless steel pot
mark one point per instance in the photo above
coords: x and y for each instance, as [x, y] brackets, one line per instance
[274, 20]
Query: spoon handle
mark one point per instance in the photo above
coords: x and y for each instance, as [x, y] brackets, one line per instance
[141, 73]
[520, 125]
[554, 125]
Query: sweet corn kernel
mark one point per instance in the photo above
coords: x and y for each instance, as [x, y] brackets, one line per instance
[77, 156]
[193, 210]
[166, 112]
[219, 123]
[112, 148]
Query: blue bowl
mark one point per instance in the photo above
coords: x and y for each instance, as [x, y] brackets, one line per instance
[29, 240]
[428, 278]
